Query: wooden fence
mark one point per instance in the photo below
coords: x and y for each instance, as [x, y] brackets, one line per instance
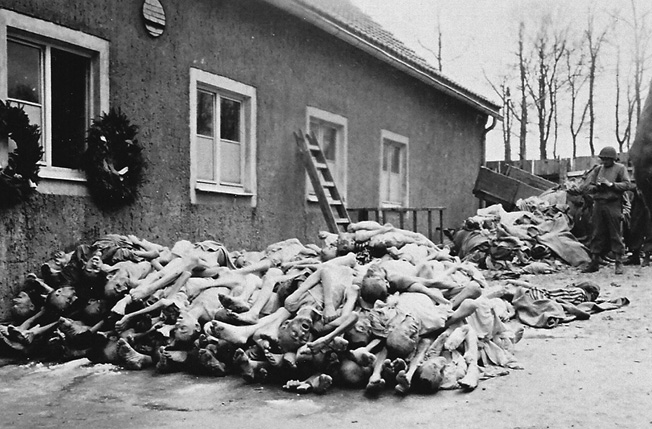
[429, 221]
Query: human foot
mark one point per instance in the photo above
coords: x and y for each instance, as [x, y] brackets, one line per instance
[321, 384]
[234, 303]
[211, 364]
[363, 357]
[241, 359]
[402, 382]
[374, 386]
[225, 331]
[130, 358]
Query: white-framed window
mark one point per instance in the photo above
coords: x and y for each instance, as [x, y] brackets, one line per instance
[394, 170]
[331, 132]
[60, 77]
[222, 135]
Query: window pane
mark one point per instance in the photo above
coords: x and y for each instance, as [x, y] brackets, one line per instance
[396, 159]
[206, 159]
[328, 136]
[314, 128]
[386, 155]
[393, 175]
[395, 188]
[24, 72]
[34, 113]
[205, 113]
[329, 142]
[69, 108]
[230, 120]
[230, 162]
[384, 186]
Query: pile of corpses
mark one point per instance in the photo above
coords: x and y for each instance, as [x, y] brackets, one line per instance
[376, 307]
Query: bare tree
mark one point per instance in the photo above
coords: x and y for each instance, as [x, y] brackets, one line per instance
[595, 40]
[439, 45]
[504, 93]
[623, 136]
[555, 116]
[641, 42]
[522, 117]
[439, 49]
[550, 46]
[576, 78]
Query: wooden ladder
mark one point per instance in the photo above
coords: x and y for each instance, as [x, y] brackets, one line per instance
[330, 201]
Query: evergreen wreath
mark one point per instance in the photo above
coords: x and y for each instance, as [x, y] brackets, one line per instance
[18, 179]
[113, 160]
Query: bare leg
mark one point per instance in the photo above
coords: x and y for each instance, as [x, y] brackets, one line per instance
[258, 267]
[292, 301]
[404, 378]
[166, 276]
[123, 323]
[178, 283]
[471, 291]
[240, 334]
[456, 338]
[465, 309]
[363, 356]
[269, 325]
[28, 336]
[376, 383]
[121, 306]
[320, 343]
[333, 277]
[31, 321]
[270, 279]
[96, 328]
[71, 328]
[470, 380]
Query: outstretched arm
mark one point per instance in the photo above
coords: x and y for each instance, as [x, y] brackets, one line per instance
[434, 294]
[121, 324]
[292, 301]
[320, 343]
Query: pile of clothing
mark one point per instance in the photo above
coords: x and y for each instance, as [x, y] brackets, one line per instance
[535, 239]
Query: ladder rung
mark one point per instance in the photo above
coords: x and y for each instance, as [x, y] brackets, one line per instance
[342, 221]
[328, 184]
[314, 147]
[321, 165]
[334, 202]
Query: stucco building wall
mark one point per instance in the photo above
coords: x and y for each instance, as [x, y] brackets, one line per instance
[292, 65]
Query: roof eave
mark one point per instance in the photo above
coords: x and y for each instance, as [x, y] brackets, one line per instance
[343, 34]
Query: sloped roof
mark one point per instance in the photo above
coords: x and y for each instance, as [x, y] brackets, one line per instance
[346, 21]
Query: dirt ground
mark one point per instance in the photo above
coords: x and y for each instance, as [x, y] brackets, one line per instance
[595, 374]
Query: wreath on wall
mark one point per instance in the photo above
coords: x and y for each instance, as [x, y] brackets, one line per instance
[113, 160]
[18, 179]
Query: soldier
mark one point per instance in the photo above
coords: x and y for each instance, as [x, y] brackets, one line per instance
[606, 185]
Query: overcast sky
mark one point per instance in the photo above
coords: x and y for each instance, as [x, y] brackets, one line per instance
[480, 36]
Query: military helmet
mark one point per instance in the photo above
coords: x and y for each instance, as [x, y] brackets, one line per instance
[608, 152]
